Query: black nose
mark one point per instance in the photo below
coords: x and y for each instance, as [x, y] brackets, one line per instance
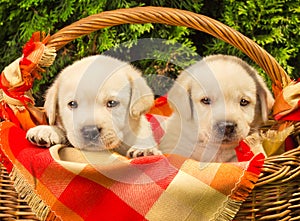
[225, 128]
[91, 132]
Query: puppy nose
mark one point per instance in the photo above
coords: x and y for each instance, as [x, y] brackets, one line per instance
[90, 132]
[226, 127]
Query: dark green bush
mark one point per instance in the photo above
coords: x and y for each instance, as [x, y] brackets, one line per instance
[21, 19]
[273, 24]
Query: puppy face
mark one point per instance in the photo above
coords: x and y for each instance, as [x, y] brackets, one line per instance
[225, 113]
[223, 98]
[98, 101]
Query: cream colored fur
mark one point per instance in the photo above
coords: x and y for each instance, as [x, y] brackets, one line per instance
[98, 93]
[216, 91]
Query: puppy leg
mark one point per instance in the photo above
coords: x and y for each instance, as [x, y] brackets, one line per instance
[138, 151]
[46, 136]
[144, 144]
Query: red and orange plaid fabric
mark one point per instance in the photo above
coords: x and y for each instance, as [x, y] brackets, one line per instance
[76, 185]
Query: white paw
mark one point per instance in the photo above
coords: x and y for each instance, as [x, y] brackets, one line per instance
[135, 152]
[46, 136]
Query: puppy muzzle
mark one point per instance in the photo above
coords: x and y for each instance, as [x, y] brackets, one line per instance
[91, 133]
[225, 131]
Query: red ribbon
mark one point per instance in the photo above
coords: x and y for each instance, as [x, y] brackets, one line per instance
[243, 152]
[7, 114]
[16, 93]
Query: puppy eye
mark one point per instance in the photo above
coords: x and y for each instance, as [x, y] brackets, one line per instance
[206, 101]
[112, 103]
[73, 104]
[244, 102]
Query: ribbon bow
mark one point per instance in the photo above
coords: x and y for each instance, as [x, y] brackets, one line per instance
[16, 81]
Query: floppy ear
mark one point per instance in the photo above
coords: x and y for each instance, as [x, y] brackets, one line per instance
[142, 98]
[179, 96]
[51, 103]
[265, 97]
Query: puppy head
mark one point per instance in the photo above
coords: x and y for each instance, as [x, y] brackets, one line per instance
[95, 100]
[224, 96]
[240, 70]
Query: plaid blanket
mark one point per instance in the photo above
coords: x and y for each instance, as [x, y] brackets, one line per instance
[68, 184]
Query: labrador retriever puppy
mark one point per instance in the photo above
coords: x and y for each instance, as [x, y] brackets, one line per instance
[217, 102]
[98, 103]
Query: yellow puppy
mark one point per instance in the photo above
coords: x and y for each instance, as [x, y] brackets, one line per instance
[98, 103]
[217, 102]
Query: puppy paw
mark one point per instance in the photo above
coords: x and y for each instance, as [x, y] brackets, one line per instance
[46, 136]
[135, 152]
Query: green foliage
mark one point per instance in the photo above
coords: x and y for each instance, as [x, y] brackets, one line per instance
[21, 19]
[273, 24]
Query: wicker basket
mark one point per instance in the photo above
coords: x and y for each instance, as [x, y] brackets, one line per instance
[276, 195]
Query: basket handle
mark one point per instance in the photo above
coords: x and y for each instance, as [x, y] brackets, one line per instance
[176, 17]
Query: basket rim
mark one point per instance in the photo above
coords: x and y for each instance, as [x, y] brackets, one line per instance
[174, 17]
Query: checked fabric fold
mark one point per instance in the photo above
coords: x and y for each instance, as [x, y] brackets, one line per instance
[75, 185]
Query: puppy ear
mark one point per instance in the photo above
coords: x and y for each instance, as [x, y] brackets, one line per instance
[142, 98]
[180, 98]
[265, 97]
[51, 103]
